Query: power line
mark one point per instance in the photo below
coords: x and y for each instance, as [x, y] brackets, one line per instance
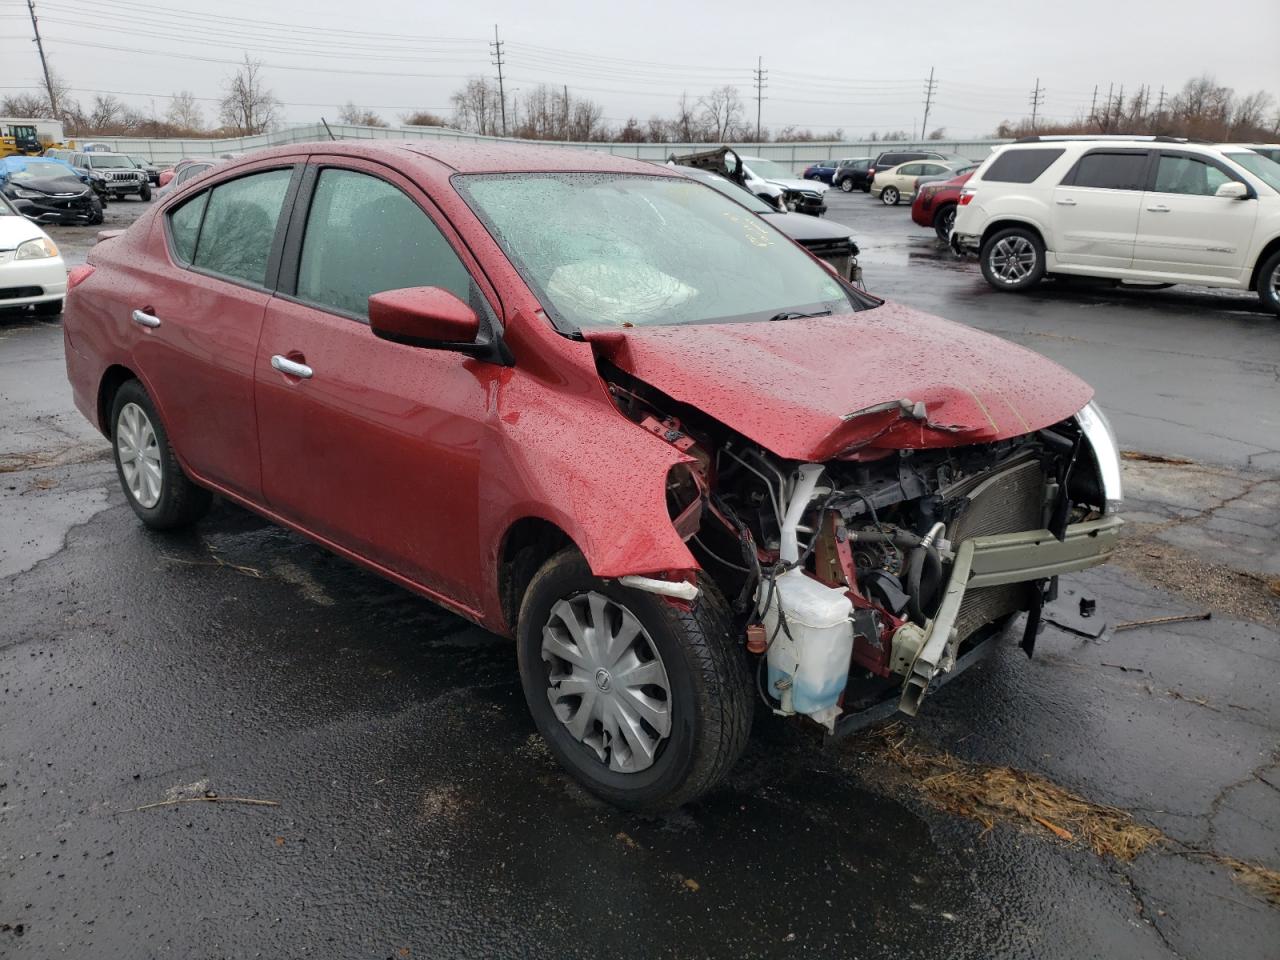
[929, 88]
[496, 48]
[760, 74]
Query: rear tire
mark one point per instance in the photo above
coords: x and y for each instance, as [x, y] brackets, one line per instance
[944, 220]
[1269, 283]
[152, 479]
[1013, 259]
[847, 185]
[890, 196]
[702, 676]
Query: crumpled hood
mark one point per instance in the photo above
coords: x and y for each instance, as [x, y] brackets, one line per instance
[826, 387]
[813, 186]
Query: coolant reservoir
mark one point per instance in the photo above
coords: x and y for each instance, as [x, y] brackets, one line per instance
[813, 662]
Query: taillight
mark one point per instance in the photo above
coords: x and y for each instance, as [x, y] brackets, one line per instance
[966, 196]
[78, 275]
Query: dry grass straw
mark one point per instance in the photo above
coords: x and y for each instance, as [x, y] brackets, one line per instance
[992, 794]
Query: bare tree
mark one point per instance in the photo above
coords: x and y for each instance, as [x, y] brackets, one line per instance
[477, 107]
[721, 111]
[248, 107]
[25, 105]
[422, 118]
[106, 112]
[359, 116]
[684, 128]
[939, 134]
[184, 112]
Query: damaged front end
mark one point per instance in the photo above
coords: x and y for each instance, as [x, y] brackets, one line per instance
[862, 582]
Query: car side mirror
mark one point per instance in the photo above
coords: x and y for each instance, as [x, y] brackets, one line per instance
[433, 318]
[1232, 190]
[422, 317]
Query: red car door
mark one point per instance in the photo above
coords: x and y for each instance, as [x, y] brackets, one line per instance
[374, 446]
[199, 309]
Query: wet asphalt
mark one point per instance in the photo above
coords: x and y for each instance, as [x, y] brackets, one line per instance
[418, 814]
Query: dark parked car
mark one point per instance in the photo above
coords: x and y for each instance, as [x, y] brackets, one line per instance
[891, 158]
[936, 203]
[822, 170]
[147, 167]
[851, 174]
[605, 411]
[826, 240]
[48, 191]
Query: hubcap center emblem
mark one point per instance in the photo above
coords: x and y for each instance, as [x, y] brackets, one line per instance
[603, 680]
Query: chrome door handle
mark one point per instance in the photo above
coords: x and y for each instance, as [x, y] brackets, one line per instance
[1066, 202]
[291, 367]
[1159, 208]
[145, 319]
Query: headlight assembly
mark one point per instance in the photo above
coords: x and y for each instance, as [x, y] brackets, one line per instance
[1106, 452]
[40, 248]
[24, 194]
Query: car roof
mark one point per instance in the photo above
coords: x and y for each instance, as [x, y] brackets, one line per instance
[473, 157]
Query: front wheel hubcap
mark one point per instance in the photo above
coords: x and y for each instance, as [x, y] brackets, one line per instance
[606, 682]
[1012, 259]
[139, 453]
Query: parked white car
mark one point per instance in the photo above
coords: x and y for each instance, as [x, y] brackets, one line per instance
[799, 195]
[1150, 210]
[32, 272]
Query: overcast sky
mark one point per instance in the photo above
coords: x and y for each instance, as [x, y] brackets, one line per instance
[835, 63]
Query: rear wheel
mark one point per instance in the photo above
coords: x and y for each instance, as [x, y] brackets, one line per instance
[1013, 259]
[1269, 283]
[847, 185]
[890, 196]
[646, 704]
[158, 491]
[944, 220]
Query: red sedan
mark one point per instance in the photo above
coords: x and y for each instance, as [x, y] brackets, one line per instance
[600, 407]
[935, 204]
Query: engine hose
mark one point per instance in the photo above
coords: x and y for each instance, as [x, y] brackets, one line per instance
[920, 595]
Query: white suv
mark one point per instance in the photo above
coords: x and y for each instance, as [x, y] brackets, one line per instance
[1151, 210]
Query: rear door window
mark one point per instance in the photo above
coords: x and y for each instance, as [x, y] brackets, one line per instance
[365, 236]
[1110, 171]
[184, 226]
[1020, 166]
[240, 226]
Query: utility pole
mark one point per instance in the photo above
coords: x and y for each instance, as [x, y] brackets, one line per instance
[1093, 106]
[1106, 118]
[1120, 104]
[1160, 108]
[496, 49]
[48, 83]
[761, 75]
[1037, 98]
[929, 88]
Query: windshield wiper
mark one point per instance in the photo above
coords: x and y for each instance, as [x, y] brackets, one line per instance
[797, 315]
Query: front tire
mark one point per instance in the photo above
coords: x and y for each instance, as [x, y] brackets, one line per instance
[647, 705]
[1013, 259]
[943, 221]
[1269, 283]
[889, 196]
[158, 491]
[145, 193]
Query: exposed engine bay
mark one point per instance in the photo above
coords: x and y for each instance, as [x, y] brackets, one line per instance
[856, 577]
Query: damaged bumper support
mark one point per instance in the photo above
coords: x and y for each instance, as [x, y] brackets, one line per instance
[987, 562]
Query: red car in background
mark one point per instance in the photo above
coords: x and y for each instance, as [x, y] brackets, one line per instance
[601, 408]
[935, 204]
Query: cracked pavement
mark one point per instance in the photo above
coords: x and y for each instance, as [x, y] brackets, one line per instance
[419, 814]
